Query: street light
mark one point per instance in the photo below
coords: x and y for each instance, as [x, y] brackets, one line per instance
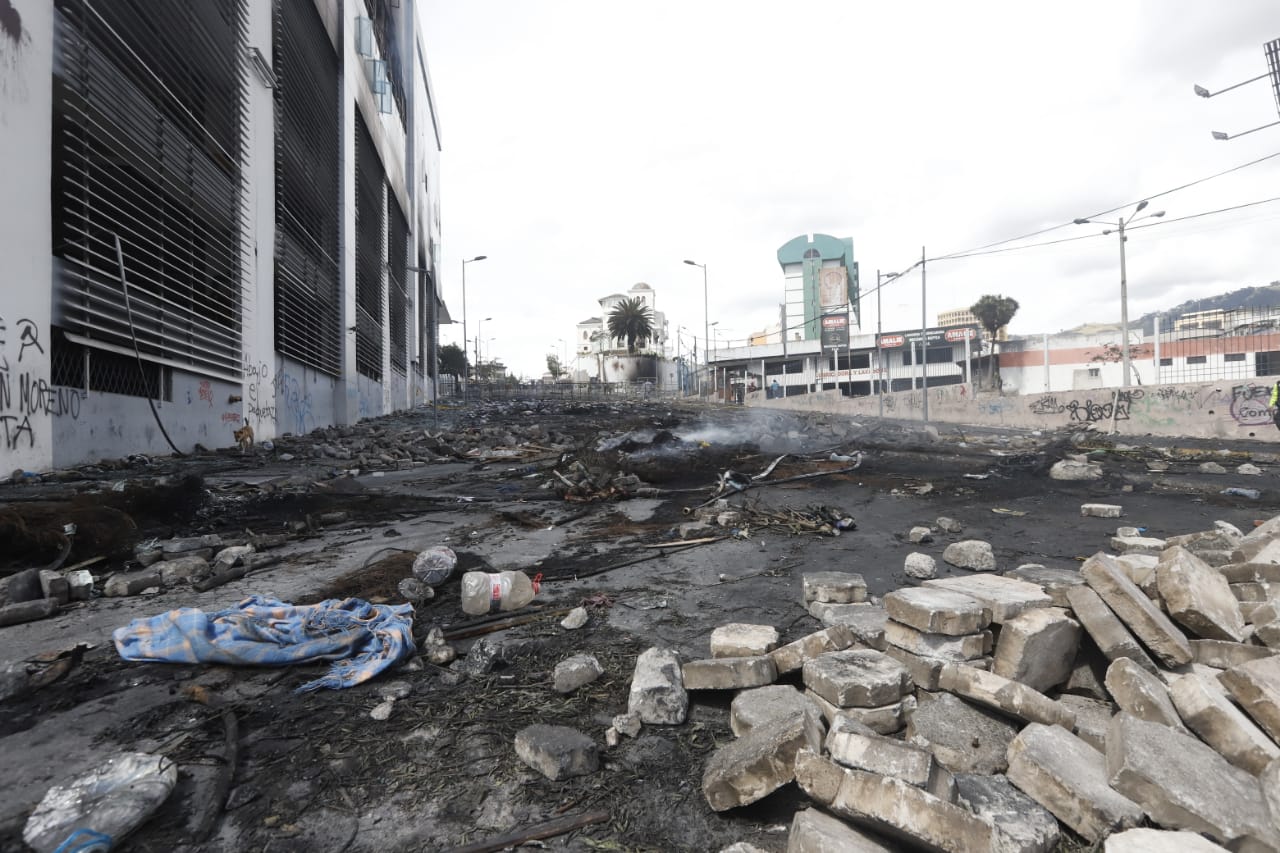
[479, 331]
[1222, 137]
[706, 328]
[466, 261]
[1120, 225]
[1205, 93]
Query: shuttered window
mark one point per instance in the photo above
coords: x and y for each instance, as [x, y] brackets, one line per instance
[370, 239]
[397, 281]
[148, 130]
[308, 134]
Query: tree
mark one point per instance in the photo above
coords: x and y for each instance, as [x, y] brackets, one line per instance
[453, 361]
[994, 313]
[632, 321]
[554, 367]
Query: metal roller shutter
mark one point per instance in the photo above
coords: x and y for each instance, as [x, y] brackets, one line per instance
[370, 242]
[397, 279]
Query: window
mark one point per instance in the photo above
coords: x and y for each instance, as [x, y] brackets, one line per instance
[1166, 362]
[933, 355]
[370, 232]
[1197, 359]
[397, 261]
[1095, 372]
[1233, 356]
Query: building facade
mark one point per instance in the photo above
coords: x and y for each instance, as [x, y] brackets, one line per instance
[820, 279]
[227, 211]
[593, 343]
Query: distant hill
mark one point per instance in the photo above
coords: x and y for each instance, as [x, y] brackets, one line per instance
[1267, 296]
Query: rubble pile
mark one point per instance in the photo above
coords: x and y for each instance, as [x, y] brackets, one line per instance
[952, 715]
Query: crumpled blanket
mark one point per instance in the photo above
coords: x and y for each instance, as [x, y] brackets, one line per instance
[361, 639]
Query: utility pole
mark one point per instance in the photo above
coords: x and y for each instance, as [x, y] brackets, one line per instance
[924, 341]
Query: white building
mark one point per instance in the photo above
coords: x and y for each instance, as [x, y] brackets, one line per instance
[592, 339]
[270, 169]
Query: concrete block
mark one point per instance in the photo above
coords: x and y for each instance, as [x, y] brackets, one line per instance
[1210, 714]
[861, 678]
[937, 611]
[1038, 648]
[1142, 694]
[1004, 597]
[1256, 592]
[1137, 545]
[762, 705]
[1110, 635]
[1256, 686]
[1054, 582]
[80, 584]
[1165, 773]
[1007, 697]
[27, 611]
[814, 831]
[739, 640]
[1069, 778]
[657, 688]
[834, 587]
[1021, 824]
[172, 547]
[892, 807]
[1152, 627]
[131, 583]
[760, 762]
[792, 656]
[557, 752]
[53, 585]
[1251, 572]
[574, 672]
[852, 744]
[1269, 780]
[1075, 470]
[970, 554]
[181, 569]
[1143, 840]
[1197, 596]
[1101, 510]
[924, 671]
[1089, 671]
[963, 738]
[939, 646]
[1224, 655]
[920, 566]
[884, 719]
[1093, 718]
[864, 621]
[729, 673]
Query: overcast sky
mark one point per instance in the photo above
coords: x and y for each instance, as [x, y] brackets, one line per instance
[592, 145]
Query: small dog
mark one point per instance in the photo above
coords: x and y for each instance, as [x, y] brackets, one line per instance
[244, 436]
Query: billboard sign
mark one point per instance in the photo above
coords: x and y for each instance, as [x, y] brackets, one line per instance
[835, 330]
[833, 290]
[888, 341]
[955, 335]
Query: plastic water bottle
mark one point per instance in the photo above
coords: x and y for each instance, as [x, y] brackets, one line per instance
[484, 592]
[434, 565]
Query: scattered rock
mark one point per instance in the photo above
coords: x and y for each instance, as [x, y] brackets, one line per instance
[742, 640]
[576, 618]
[1072, 470]
[919, 535]
[1211, 468]
[1101, 510]
[971, 554]
[760, 762]
[557, 752]
[577, 671]
[949, 525]
[834, 587]
[920, 566]
[1248, 469]
[657, 688]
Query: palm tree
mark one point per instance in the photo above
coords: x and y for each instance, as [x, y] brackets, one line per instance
[994, 312]
[632, 321]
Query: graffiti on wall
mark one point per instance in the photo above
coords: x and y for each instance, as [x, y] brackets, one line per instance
[1088, 411]
[24, 394]
[296, 402]
[259, 393]
[1251, 404]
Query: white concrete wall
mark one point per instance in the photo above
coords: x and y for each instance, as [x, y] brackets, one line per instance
[27, 404]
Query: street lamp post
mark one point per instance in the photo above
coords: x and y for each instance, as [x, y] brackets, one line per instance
[479, 330]
[1120, 225]
[706, 328]
[466, 261]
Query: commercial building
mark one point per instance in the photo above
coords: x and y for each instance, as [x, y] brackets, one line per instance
[215, 211]
[820, 278]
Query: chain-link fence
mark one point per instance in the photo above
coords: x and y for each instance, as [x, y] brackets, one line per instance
[1205, 346]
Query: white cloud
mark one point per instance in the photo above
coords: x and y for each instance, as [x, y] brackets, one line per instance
[589, 146]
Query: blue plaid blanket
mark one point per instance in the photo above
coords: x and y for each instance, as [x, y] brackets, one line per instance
[361, 639]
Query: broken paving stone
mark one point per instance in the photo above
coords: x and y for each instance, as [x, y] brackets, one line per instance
[181, 569]
[1223, 654]
[1069, 778]
[885, 720]
[762, 705]
[949, 525]
[891, 806]
[1074, 470]
[1001, 694]
[24, 586]
[738, 640]
[729, 673]
[792, 656]
[27, 611]
[853, 744]
[627, 724]
[235, 555]
[742, 847]
[1101, 510]
[963, 737]
[834, 587]
[1208, 712]
[1248, 469]
[1038, 648]
[814, 831]
[1105, 628]
[131, 583]
[919, 535]
[1144, 840]
[864, 621]
[557, 752]
[1022, 824]
[1211, 468]
[1256, 687]
[760, 762]
[80, 585]
[657, 689]
[941, 646]
[576, 618]
[971, 554]
[1005, 597]
[574, 672]
[1198, 596]
[1165, 772]
[1054, 582]
[54, 586]
[1137, 545]
[195, 543]
[1142, 694]
[1156, 631]
[937, 611]
[382, 711]
[920, 566]
[1093, 718]
[924, 671]
[863, 678]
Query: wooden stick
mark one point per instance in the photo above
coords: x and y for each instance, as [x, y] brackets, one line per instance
[549, 829]
[702, 541]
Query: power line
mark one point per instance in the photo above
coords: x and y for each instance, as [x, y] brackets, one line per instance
[1208, 213]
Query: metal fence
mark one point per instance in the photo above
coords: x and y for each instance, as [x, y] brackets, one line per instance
[1205, 346]
[451, 390]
